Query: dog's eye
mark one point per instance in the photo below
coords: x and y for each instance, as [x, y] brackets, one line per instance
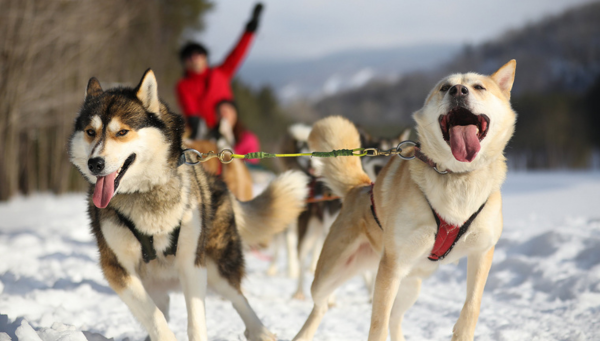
[445, 88]
[91, 132]
[479, 87]
[122, 132]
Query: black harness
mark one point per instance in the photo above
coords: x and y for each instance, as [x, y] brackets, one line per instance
[147, 241]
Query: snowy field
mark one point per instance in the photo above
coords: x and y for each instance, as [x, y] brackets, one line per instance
[544, 283]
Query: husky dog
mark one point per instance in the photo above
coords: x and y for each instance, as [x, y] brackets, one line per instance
[162, 225]
[413, 218]
[322, 209]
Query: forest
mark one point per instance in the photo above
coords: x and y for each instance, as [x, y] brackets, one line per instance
[46, 60]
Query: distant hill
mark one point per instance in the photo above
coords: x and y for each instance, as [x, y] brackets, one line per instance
[559, 54]
[342, 71]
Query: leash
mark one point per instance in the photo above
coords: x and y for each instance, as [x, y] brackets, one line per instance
[227, 155]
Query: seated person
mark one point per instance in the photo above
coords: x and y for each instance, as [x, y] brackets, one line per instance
[234, 132]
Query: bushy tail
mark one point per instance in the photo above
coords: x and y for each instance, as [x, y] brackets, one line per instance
[344, 172]
[273, 210]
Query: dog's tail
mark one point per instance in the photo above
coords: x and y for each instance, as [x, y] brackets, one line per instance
[273, 210]
[344, 172]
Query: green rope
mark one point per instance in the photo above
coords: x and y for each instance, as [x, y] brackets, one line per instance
[334, 153]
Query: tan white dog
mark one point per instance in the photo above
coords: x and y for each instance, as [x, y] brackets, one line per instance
[414, 218]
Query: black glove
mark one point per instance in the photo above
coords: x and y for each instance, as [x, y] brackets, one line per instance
[252, 25]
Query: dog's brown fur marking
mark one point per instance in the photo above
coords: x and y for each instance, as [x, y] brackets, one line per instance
[223, 244]
[114, 273]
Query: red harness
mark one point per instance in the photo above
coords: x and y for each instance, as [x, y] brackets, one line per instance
[447, 234]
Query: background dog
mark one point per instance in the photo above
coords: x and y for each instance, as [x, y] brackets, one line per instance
[161, 225]
[415, 218]
[307, 236]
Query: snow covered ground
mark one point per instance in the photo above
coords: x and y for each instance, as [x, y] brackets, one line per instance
[544, 283]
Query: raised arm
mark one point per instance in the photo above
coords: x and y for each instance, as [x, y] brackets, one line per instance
[236, 56]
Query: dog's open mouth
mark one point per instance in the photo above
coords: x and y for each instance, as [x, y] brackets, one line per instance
[106, 185]
[464, 131]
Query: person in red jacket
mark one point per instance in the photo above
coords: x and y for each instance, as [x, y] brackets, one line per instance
[203, 87]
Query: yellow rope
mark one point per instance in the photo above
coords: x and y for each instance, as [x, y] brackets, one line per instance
[262, 155]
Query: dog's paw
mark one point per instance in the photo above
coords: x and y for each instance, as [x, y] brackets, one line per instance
[461, 338]
[464, 329]
[262, 334]
[460, 334]
[299, 295]
[170, 337]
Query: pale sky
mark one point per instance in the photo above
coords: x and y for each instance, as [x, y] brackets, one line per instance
[304, 29]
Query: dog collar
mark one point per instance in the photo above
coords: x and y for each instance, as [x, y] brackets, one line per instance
[447, 234]
[182, 160]
[421, 156]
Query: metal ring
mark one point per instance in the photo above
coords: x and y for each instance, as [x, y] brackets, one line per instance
[226, 153]
[440, 172]
[195, 152]
[399, 149]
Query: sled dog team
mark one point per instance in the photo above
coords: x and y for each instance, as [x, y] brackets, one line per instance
[163, 225]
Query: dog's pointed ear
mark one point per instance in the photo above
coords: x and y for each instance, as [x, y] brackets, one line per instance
[147, 92]
[505, 77]
[93, 88]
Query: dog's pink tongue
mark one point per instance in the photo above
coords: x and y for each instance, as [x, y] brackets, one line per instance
[464, 142]
[105, 188]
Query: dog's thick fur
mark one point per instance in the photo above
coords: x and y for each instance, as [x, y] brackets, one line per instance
[403, 193]
[130, 136]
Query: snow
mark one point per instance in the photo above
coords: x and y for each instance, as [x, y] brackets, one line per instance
[544, 283]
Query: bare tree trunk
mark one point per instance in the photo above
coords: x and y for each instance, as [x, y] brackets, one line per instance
[48, 51]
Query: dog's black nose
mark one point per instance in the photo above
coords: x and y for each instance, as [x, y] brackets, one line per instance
[96, 165]
[458, 91]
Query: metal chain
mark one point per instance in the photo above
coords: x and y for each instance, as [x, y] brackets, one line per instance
[393, 151]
